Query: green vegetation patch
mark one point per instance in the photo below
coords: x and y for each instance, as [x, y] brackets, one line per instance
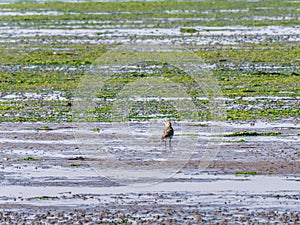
[97, 129]
[44, 128]
[253, 53]
[37, 110]
[51, 54]
[246, 173]
[76, 164]
[29, 158]
[211, 12]
[188, 30]
[252, 133]
[58, 62]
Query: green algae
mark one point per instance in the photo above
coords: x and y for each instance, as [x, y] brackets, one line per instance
[30, 159]
[252, 133]
[246, 173]
[51, 54]
[233, 78]
[76, 165]
[234, 12]
[188, 30]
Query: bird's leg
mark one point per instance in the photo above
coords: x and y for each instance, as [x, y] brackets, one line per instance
[170, 143]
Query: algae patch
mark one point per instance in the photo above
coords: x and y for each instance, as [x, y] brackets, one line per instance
[252, 133]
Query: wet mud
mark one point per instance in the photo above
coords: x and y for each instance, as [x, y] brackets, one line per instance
[47, 176]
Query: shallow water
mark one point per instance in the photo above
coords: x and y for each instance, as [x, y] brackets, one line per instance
[206, 35]
[33, 96]
[209, 189]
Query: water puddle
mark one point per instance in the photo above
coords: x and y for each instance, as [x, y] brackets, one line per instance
[33, 96]
[36, 141]
[216, 187]
[205, 35]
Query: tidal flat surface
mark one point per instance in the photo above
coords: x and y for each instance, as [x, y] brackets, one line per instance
[85, 175]
[234, 158]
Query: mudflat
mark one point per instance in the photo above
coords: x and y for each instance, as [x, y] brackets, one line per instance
[86, 88]
[48, 176]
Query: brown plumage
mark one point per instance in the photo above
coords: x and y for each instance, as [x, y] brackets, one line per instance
[168, 133]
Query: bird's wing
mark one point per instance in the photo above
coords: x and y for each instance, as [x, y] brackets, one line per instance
[168, 132]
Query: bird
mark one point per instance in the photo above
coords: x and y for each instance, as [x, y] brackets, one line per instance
[168, 133]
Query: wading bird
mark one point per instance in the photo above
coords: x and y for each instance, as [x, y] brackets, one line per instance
[168, 133]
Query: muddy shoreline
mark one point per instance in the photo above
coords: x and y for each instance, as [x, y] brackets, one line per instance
[45, 176]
